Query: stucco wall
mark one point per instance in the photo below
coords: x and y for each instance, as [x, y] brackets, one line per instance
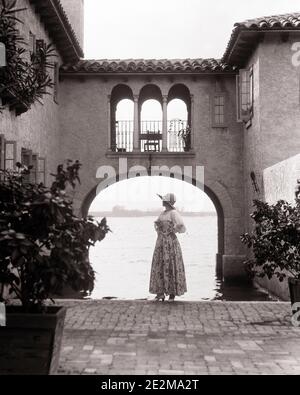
[84, 122]
[280, 182]
[274, 135]
[37, 129]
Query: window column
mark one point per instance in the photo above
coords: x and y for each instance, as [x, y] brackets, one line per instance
[165, 124]
[136, 125]
[192, 126]
[109, 129]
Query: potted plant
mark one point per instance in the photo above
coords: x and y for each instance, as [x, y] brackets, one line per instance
[44, 247]
[185, 135]
[275, 242]
[179, 128]
[25, 78]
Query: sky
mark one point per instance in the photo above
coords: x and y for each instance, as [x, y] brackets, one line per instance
[169, 28]
[141, 194]
[165, 29]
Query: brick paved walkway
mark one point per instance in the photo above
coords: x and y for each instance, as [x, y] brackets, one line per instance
[145, 337]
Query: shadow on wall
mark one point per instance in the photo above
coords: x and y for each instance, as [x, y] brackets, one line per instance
[280, 289]
[279, 184]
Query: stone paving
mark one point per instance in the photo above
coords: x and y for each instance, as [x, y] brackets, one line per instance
[182, 338]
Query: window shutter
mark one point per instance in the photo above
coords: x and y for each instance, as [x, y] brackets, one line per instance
[245, 95]
[32, 43]
[2, 55]
[40, 53]
[10, 155]
[34, 170]
[2, 151]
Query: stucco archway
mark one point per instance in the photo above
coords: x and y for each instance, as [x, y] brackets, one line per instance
[208, 191]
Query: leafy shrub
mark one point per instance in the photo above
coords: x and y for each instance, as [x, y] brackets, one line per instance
[44, 246]
[275, 240]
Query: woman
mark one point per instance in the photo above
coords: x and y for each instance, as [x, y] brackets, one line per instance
[167, 272]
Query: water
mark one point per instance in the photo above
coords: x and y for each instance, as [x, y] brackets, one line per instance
[123, 261]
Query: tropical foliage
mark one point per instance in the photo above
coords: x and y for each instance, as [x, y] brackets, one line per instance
[25, 78]
[44, 246]
[275, 240]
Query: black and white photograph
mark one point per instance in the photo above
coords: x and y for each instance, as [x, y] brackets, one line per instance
[149, 190]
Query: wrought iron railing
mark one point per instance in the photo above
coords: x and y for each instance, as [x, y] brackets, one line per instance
[177, 130]
[124, 136]
[151, 137]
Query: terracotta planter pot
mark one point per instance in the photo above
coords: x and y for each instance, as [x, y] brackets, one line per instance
[294, 287]
[30, 343]
[15, 103]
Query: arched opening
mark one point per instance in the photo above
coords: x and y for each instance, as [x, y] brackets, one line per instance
[150, 117]
[122, 114]
[131, 218]
[177, 123]
[179, 119]
[124, 125]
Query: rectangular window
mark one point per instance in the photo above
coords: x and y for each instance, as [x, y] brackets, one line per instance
[41, 174]
[2, 151]
[26, 160]
[34, 170]
[32, 43]
[245, 98]
[218, 110]
[10, 155]
[40, 46]
[55, 82]
[40, 52]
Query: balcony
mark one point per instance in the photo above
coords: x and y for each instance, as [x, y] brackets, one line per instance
[151, 137]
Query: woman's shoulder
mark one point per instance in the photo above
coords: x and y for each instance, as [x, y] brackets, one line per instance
[174, 213]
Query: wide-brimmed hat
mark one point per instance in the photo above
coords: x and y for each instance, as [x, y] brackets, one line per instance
[170, 198]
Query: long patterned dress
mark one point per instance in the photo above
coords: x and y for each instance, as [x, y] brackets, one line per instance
[167, 272]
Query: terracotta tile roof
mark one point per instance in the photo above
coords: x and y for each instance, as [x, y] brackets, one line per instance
[284, 22]
[59, 27]
[151, 66]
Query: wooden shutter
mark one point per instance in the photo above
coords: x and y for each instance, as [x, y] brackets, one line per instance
[32, 43]
[10, 155]
[245, 95]
[34, 170]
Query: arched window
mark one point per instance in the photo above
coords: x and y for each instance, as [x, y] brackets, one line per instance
[151, 126]
[121, 108]
[177, 124]
[124, 125]
[179, 119]
[150, 105]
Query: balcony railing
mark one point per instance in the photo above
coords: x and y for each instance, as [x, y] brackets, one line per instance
[124, 136]
[150, 136]
[175, 141]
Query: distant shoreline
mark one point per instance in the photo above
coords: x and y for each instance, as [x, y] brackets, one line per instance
[110, 214]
